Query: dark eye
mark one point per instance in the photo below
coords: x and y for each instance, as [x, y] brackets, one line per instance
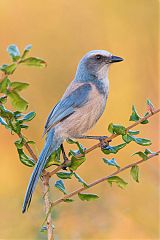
[98, 57]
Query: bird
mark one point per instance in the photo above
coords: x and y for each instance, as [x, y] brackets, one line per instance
[78, 110]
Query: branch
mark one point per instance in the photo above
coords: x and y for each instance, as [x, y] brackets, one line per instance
[108, 139]
[102, 179]
[45, 191]
[47, 207]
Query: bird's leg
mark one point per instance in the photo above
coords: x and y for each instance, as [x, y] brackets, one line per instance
[99, 138]
[65, 158]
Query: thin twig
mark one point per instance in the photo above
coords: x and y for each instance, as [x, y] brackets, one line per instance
[109, 138]
[47, 207]
[101, 180]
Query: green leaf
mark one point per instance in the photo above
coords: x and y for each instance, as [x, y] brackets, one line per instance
[80, 180]
[18, 86]
[2, 68]
[26, 160]
[3, 99]
[135, 173]
[148, 151]
[32, 61]
[141, 154]
[145, 121]
[80, 147]
[76, 162]
[10, 68]
[28, 117]
[54, 159]
[13, 52]
[31, 142]
[26, 51]
[6, 113]
[60, 185]
[68, 200]
[17, 102]
[87, 196]
[3, 122]
[119, 181]
[64, 175]
[111, 162]
[127, 138]
[134, 116]
[116, 129]
[113, 149]
[19, 143]
[133, 132]
[142, 141]
[4, 84]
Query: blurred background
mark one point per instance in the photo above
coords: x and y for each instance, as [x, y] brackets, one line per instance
[61, 32]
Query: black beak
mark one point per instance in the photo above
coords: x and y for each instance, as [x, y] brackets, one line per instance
[115, 59]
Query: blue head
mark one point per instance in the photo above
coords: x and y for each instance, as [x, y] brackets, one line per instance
[94, 65]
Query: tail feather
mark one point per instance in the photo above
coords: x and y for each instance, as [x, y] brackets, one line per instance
[51, 145]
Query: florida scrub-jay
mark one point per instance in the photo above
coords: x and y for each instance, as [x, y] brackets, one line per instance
[78, 110]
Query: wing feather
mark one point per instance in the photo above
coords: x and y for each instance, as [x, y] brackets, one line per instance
[68, 105]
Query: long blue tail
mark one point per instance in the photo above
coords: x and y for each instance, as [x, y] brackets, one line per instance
[51, 145]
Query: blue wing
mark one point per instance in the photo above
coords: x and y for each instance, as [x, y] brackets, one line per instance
[68, 105]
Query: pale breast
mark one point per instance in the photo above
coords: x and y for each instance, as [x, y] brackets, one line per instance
[84, 117]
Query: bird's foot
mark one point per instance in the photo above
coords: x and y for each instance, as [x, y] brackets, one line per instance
[103, 141]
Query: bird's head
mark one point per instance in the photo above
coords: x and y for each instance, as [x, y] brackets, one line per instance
[95, 64]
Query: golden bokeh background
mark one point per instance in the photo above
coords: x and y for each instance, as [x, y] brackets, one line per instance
[61, 32]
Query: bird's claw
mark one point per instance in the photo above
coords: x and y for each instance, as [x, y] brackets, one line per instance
[104, 143]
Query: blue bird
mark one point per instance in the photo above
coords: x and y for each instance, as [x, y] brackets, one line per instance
[78, 110]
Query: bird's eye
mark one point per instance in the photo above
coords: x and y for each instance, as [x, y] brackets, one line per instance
[98, 57]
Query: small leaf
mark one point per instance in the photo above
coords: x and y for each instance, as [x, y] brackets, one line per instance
[113, 149]
[4, 84]
[87, 196]
[80, 180]
[148, 151]
[60, 185]
[54, 159]
[68, 200]
[3, 122]
[80, 147]
[10, 68]
[6, 113]
[19, 143]
[28, 117]
[119, 181]
[3, 99]
[17, 102]
[76, 162]
[26, 51]
[141, 154]
[25, 159]
[116, 129]
[32, 61]
[111, 162]
[18, 86]
[150, 106]
[64, 175]
[133, 132]
[135, 173]
[127, 138]
[13, 52]
[3, 67]
[134, 116]
[43, 229]
[142, 141]
[70, 141]
[31, 142]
